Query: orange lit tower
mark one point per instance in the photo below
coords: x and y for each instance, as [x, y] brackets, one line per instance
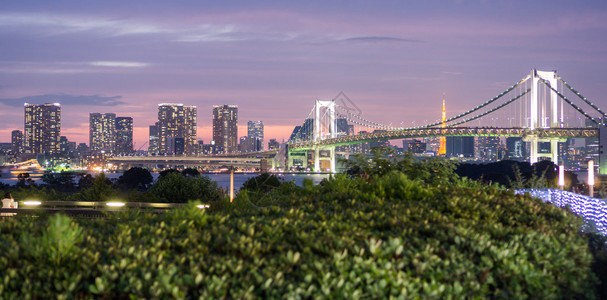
[442, 149]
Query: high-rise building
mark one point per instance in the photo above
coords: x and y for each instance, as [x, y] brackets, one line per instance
[176, 120]
[124, 135]
[516, 148]
[255, 135]
[176, 145]
[225, 127]
[42, 128]
[64, 146]
[17, 141]
[102, 132]
[488, 148]
[462, 146]
[153, 146]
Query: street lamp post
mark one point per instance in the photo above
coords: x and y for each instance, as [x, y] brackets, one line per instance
[231, 184]
[561, 177]
[591, 178]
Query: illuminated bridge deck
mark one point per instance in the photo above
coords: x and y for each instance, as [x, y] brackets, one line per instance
[454, 131]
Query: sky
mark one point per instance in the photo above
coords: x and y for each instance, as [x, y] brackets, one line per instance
[393, 59]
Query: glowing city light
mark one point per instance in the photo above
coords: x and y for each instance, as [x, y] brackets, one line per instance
[32, 203]
[593, 210]
[115, 204]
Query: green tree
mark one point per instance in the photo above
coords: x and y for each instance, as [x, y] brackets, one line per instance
[135, 178]
[63, 181]
[167, 172]
[190, 172]
[85, 181]
[100, 191]
[262, 183]
[24, 180]
[383, 160]
[176, 188]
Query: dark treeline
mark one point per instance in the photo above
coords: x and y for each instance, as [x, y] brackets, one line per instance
[515, 174]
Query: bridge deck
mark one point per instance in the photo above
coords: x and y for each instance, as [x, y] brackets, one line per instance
[542, 133]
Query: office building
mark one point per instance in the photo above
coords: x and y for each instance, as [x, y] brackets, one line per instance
[17, 141]
[516, 149]
[42, 128]
[488, 148]
[102, 132]
[255, 135]
[460, 146]
[176, 145]
[124, 135]
[153, 144]
[225, 127]
[176, 120]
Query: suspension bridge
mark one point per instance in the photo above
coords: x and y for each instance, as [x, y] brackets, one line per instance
[536, 108]
[542, 109]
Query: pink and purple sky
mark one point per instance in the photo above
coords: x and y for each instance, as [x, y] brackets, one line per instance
[394, 59]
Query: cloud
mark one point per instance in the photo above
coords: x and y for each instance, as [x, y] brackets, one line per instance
[62, 23]
[121, 64]
[380, 39]
[65, 99]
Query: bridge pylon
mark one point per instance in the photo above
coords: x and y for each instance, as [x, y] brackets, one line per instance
[537, 117]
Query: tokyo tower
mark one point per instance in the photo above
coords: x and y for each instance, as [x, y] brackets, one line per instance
[442, 149]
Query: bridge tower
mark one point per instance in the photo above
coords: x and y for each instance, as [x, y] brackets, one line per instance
[325, 126]
[535, 121]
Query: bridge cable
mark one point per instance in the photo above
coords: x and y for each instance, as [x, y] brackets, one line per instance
[569, 101]
[478, 107]
[491, 110]
[581, 97]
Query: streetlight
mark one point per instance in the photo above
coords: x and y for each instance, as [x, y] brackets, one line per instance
[591, 178]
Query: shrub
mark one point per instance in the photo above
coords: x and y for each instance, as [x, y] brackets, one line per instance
[56, 244]
[386, 236]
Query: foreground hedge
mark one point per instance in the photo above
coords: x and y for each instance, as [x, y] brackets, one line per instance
[389, 237]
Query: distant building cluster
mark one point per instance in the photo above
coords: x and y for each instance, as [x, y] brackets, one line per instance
[175, 133]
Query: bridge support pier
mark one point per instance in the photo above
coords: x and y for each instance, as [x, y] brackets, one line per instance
[534, 150]
[324, 152]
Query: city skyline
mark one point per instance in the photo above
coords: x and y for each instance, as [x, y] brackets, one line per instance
[273, 59]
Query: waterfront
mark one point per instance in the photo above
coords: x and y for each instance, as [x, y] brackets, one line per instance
[222, 179]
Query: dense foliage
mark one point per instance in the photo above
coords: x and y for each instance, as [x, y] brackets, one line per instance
[135, 178]
[413, 229]
[177, 188]
[518, 175]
